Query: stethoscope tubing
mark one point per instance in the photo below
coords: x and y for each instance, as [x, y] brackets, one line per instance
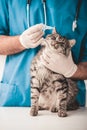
[28, 12]
[28, 15]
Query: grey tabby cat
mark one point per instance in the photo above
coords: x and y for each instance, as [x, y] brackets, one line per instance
[50, 90]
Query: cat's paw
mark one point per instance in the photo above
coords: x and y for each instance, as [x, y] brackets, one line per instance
[54, 109]
[62, 113]
[33, 111]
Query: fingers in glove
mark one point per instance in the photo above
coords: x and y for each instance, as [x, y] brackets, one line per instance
[47, 52]
[34, 29]
[51, 57]
[36, 36]
[45, 56]
[37, 43]
[43, 60]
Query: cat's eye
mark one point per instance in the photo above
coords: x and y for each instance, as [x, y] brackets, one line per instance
[62, 43]
[60, 38]
[53, 38]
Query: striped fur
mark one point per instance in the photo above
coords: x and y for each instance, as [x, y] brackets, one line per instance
[50, 90]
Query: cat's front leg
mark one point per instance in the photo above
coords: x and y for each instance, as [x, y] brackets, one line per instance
[62, 101]
[62, 109]
[35, 92]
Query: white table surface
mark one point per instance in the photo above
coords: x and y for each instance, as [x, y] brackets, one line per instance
[18, 118]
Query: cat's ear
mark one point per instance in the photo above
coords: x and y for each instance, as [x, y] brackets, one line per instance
[72, 42]
[54, 31]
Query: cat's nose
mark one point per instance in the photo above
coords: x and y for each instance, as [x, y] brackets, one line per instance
[53, 43]
[56, 46]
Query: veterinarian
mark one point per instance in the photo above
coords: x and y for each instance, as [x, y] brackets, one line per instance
[21, 34]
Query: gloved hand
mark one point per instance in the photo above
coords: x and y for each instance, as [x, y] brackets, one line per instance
[32, 37]
[59, 63]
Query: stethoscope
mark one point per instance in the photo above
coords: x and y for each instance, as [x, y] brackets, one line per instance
[28, 12]
[74, 24]
[45, 27]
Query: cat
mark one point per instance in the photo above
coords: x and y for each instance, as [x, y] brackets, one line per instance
[50, 90]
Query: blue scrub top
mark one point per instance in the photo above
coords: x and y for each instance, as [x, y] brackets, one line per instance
[15, 84]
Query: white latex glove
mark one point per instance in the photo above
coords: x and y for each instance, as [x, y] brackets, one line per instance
[32, 37]
[59, 63]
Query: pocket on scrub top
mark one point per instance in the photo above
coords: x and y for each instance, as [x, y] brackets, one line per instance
[7, 94]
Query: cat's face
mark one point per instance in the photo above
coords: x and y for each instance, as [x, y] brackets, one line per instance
[59, 44]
